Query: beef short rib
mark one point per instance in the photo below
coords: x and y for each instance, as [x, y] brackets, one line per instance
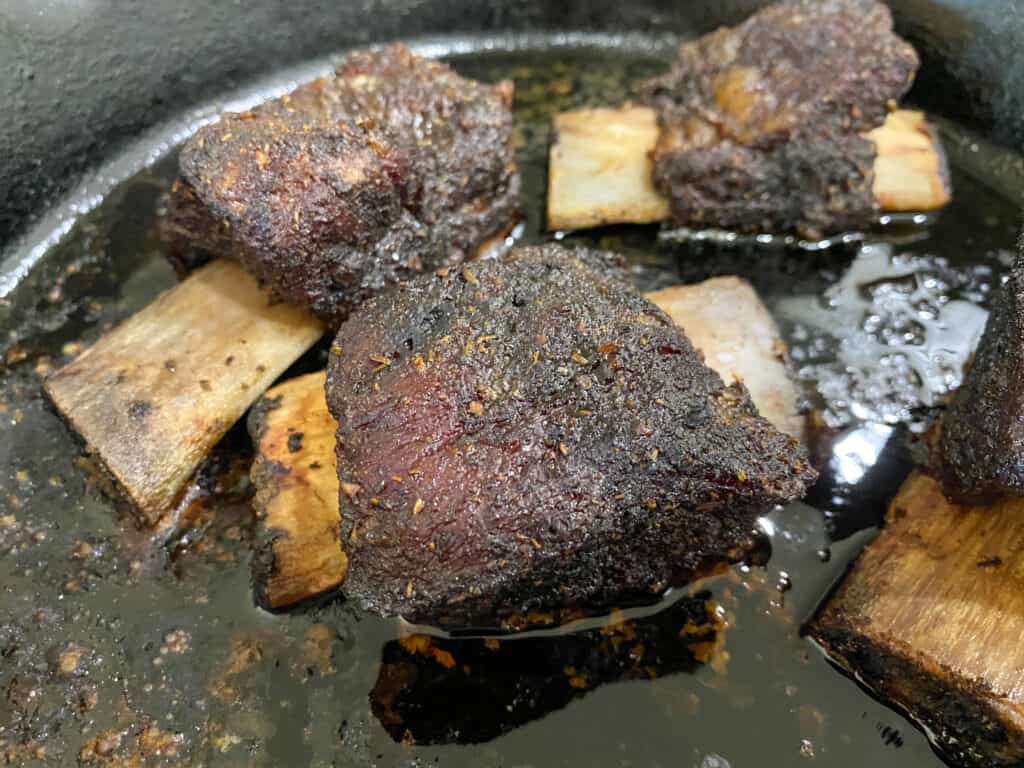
[528, 434]
[351, 183]
[761, 123]
[982, 438]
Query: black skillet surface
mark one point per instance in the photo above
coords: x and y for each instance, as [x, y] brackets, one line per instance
[113, 645]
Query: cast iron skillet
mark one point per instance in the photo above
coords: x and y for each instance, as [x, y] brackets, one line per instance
[112, 643]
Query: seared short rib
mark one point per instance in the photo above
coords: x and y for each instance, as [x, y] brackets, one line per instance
[762, 122]
[529, 433]
[352, 183]
[982, 438]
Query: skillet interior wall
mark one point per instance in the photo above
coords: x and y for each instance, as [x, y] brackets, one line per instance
[78, 78]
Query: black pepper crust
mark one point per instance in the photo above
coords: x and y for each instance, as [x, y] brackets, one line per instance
[352, 183]
[527, 434]
[982, 435]
[761, 123]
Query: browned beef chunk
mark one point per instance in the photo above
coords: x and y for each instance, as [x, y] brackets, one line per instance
[983, 431]
[530, 433]
[351, 183]
[761, 123]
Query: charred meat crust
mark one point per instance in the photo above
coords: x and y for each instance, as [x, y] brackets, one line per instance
[982, 435]
[352, 183]
[528, 434]
[761, 123]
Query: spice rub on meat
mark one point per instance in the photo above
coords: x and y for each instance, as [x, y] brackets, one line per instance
[530, 433]
[352, 183]
[761, 123]
[982, 435]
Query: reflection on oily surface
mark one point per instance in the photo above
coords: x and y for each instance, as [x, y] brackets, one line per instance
[443, 691]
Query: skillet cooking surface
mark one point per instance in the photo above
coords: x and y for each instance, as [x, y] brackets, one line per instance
[113, 643]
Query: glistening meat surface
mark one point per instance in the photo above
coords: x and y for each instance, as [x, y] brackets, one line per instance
[530, 433]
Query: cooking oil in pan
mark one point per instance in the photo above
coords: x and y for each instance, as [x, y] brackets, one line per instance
[116, 647]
